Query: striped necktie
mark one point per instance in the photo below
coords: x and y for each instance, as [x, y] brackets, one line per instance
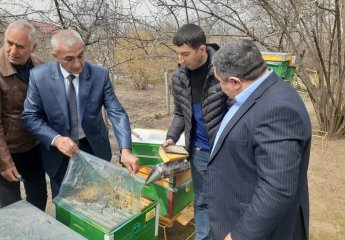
[72, 110]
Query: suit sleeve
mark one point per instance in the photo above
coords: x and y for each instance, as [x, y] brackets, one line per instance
[279, 142]
[34, 116]
[117, 115]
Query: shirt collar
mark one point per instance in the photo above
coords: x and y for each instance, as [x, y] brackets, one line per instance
[65, 73]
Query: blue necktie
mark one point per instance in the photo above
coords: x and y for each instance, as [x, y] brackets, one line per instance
[72, 110]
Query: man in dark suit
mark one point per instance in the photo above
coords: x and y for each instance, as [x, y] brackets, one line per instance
[63, 109]
[257, 173]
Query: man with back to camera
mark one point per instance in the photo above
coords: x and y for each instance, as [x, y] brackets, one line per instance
[20, 156]
[199, 108]
[257, 174]
[63, 109]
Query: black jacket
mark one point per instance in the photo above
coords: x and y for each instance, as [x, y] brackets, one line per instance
[214, 102]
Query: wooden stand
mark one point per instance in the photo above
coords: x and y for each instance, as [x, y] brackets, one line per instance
[184, 218]
[320, 135]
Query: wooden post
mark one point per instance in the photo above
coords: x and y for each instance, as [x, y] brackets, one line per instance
[167, 91]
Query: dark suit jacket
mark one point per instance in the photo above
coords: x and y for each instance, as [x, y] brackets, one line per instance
[257, 174]
[46, 113]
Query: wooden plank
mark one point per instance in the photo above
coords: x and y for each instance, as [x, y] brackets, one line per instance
[168, 157]
[186, 215]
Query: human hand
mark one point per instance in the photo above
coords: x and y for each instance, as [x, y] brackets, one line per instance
[11, 174]
[168, 142]
[228, 237]
[66, 146]
[129, 160]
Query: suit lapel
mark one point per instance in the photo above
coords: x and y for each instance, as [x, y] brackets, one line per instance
[238, 115]
[242, 110]
[84, 88]
[58, 89]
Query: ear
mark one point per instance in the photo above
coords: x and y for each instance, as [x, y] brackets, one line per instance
[236, 82]
[202, 48]
[34, 47]
[54, 54]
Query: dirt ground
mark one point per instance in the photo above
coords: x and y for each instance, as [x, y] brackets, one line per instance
[147, 109]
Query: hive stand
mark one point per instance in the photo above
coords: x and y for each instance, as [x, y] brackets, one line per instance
[184, 218]
[322, 135]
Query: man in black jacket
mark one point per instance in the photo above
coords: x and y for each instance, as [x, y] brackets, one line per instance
[200, 106]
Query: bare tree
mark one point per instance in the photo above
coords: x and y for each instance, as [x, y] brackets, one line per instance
[310, 30]
[96, 21]
[102, 24]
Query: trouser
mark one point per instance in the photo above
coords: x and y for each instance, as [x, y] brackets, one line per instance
[56, 181]
[29, 165]
[199, 159]
[299, 232]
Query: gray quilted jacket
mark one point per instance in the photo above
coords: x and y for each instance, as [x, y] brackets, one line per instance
[214, 102]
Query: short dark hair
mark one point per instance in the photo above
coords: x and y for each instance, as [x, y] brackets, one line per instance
[189, 34]
[239, 58]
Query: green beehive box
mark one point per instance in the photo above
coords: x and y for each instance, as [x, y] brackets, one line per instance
[102, 201]
[146, 143]
[149, 149]
[141, 226]
[173, 194]
[290, 73]
[171, 200]
[147, 153]
[279, 68]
